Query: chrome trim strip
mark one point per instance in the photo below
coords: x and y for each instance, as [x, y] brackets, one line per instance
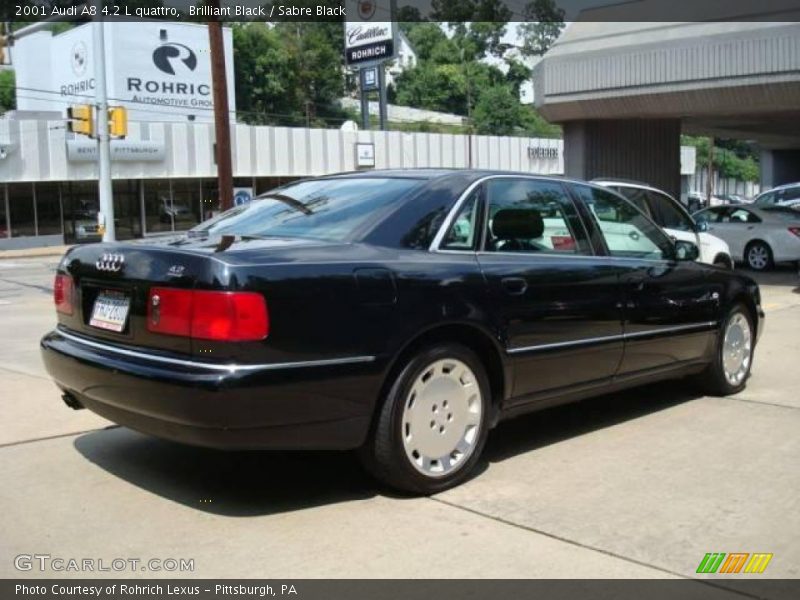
[612, 338]
[230, 368]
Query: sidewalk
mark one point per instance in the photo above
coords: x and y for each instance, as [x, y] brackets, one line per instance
[34, 252]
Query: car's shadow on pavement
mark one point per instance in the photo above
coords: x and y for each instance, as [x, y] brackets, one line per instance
[245, 484]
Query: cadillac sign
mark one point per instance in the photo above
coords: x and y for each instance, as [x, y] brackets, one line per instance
[369, 32]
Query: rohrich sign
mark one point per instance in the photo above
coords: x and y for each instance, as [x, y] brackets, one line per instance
[158, 70]
[369, 32]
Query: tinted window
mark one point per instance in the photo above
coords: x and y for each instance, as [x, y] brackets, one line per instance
[711, 215]
[627, 232]
[667, 214]
[462, 234]
[766, 199]
[738, 215]
[528, 216]
[325, 209]
[791, 193]
[639, 199]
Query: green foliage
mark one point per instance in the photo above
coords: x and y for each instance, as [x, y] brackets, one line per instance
[7, 91]
[497, 112]
[732, 158]
[544, 22]
[288, 74]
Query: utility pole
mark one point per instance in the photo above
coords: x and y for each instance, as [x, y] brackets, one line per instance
[710, 178]
[105, 218]
[221, 112]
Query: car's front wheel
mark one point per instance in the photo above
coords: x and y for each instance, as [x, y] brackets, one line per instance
[432, 425]
[734, 355]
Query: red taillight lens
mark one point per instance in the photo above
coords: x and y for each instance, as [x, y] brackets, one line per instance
[64, 294]
[795, 230]
[169, 311]
[223, 316]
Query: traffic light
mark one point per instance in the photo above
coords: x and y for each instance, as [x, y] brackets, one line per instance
[81, 119]
[118, 121]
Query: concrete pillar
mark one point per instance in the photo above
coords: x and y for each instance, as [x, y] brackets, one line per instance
[646, 150]
[779, 167]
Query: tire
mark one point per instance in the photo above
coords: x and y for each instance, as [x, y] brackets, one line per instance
[441, 391]
[758, 256]
[723, 262]
[720, 377]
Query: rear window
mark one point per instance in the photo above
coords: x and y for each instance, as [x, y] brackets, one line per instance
[323, 209]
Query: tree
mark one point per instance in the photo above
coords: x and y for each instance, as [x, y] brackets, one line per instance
[8, 99]
[544, 22]
[289, 74]
[497, 111]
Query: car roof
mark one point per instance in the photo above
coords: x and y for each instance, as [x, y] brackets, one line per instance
[434, 173]
[631, 184]
[783, 186]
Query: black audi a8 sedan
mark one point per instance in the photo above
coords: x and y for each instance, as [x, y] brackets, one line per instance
[403, 313]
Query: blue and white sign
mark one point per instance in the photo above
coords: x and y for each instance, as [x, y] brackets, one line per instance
[242, 196]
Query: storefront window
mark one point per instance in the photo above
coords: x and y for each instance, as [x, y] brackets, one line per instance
[3, 214]
[127, 221]
[48, 208]
[210, 201]
[20, 205]
[81, 205]
[186, 205]
[157, 205]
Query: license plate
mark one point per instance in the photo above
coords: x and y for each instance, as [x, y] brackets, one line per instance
[110, 311]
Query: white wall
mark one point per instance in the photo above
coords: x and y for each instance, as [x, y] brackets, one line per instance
[38, 152]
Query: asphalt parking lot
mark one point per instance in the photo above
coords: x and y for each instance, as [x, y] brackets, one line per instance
[638, 485]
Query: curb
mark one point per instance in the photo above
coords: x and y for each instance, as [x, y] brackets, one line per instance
[34, 252]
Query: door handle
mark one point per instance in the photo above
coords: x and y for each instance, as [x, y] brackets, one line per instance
[515, 286]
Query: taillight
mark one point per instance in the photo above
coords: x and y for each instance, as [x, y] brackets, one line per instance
[64, 294]
[222, 316]
[795, 230]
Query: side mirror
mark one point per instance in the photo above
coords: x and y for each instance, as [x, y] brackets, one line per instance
[701, 226]
[686, 251]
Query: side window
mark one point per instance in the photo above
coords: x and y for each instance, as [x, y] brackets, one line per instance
[525, 215]
[627, 232]
[740, 215]
[766, 199]
[639, 200]
[667, 214]
[711, 215]
[791, 193]
[462, 234]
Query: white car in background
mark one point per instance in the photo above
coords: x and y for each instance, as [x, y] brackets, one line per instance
[670, 215]
[783, 195]
[757, 236]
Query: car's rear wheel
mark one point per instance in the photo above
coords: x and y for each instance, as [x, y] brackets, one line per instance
[432, 425]
[734, 355]
[758, 255]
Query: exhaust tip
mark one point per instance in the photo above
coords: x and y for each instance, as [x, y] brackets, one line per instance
[72, 401]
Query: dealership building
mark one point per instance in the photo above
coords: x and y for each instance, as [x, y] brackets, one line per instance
[164, 171]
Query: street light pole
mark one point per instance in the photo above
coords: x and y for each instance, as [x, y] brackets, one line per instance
[105, 218]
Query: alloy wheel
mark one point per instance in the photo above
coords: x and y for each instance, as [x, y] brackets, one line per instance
[737, 349]
[442, 418]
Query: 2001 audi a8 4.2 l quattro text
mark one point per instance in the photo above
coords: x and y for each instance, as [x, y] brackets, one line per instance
[403, 313]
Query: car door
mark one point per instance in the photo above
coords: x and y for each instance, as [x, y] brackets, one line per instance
[670, 310]
[736, 225]
[556, 304]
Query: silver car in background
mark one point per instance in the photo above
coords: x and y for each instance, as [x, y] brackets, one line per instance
[757, 236]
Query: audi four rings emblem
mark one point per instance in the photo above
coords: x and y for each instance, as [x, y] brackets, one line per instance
[110, 262]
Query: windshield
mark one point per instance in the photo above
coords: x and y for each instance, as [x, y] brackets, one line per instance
[323, 209]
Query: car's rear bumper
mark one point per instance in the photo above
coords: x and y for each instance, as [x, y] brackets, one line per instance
[313, 404]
